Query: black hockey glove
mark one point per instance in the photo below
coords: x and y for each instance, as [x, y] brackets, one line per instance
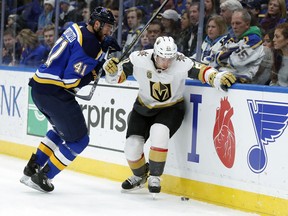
[110, 42]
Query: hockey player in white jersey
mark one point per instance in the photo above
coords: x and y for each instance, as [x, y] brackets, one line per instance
[159, 108]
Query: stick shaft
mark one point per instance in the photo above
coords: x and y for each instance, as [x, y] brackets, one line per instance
[132, 44]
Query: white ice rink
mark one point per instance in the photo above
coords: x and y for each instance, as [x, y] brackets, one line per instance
[79, 194]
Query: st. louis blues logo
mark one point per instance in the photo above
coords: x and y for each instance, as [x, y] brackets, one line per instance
[269, 121]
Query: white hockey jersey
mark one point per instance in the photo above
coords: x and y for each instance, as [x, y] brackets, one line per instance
[159, 88]
[163, 88]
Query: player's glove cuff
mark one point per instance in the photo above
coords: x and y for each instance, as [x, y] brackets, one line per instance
[223, 80]
[219, 80]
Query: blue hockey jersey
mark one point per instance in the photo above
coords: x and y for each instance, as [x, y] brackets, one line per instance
[68, 62]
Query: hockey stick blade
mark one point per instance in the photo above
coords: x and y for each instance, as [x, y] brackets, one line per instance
[91, 93]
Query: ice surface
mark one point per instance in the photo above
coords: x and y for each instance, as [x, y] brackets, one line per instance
[80, 194]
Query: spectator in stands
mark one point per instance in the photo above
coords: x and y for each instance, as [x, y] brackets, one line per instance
[184, 34]
[134, 22]
[15, 23]
[11, 49]
[254, 7]
[226, 10]
[263, 75]
[30, 14]
[275, 15]
[69, 13]
[144, 40]
[33, 53]
[188, 4]
[180, 6]
[114, 8]
[216, 30]
[194, 13]
[243, 56]
[268, 39]
[154, 30]
[169, 5]
[170, 19]
[280, 67]
[49, 36]
[209, 8]
[86, 14]
[45, 17]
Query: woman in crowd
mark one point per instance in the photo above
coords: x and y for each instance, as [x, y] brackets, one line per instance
[216, 30]
[263, 75]
[33, 53]
[275, 15]
[280, 66]
[210, 9]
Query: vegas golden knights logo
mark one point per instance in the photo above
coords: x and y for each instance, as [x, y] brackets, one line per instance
[160, 92]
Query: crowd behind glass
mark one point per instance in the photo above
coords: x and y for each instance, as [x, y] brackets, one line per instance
[248, 37]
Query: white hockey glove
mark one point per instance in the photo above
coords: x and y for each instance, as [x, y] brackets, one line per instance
[223, 80]
[219, 80]
[110, 66]
[111, 70]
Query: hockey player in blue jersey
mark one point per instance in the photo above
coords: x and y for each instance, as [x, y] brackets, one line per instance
[73, 62]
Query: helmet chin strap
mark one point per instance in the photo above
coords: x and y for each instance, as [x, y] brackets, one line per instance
[99, 29]
[156, 63]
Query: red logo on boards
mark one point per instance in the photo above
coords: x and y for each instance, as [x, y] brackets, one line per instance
[223, 134]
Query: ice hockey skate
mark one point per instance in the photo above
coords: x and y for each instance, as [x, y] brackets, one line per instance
[154, 186]
[30, 169]
[135, 182]
[41, 182]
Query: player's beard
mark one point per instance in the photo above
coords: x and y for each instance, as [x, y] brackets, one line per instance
[99, 35]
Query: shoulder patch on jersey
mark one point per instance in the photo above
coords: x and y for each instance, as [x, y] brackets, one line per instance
[142, 53]
[149, 74]
[180, 57]
[253, 40]
[70, 35]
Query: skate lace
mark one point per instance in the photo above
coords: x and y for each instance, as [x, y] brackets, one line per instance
[49, 182]
[154, 181]
[134, 180]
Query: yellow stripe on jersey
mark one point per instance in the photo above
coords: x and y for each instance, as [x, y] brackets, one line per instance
[160, 106]
[79, 33]
[57, 163]
[45, 149]
[56, 82]
[80, 38]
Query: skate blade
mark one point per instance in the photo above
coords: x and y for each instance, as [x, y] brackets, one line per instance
[133, 189]
[26, 180]
[154, 197]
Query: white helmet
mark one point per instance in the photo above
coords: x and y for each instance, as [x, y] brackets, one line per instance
[165, 47]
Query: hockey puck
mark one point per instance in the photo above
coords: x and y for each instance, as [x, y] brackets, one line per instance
[184, 198]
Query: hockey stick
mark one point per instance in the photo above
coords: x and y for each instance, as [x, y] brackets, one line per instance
[91, 93]
[132, 44]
